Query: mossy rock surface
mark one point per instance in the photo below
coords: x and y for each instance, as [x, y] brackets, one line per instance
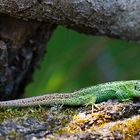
[109, 120]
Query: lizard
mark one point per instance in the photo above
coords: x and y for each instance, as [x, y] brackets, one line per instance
[121, 90]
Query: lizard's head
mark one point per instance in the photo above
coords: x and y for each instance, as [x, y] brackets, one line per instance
[137, 88]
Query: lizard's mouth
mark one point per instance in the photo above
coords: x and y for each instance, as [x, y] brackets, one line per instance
[136, 99]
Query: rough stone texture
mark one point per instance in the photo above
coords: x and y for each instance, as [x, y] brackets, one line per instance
[114, 18]
[110, 121]
[21, 47]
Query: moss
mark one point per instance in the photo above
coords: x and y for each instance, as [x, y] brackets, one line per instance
[11, 113]
[127, 128]
[86, 122]
[59, 122]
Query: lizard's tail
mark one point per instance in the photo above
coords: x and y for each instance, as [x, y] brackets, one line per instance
[47, 99]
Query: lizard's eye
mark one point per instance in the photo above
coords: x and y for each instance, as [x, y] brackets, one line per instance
[137, 86]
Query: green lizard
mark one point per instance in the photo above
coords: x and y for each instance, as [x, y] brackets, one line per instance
[121, 90]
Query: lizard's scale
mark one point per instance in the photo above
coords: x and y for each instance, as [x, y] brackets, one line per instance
[120, 90]
[39, 100]
[108, 90]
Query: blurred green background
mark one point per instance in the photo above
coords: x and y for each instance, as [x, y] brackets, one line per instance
[75, 60]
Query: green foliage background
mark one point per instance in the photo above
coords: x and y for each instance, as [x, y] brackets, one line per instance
[75, 60]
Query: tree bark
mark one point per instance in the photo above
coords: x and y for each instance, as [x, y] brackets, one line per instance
[21, 48]
[113, 18]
